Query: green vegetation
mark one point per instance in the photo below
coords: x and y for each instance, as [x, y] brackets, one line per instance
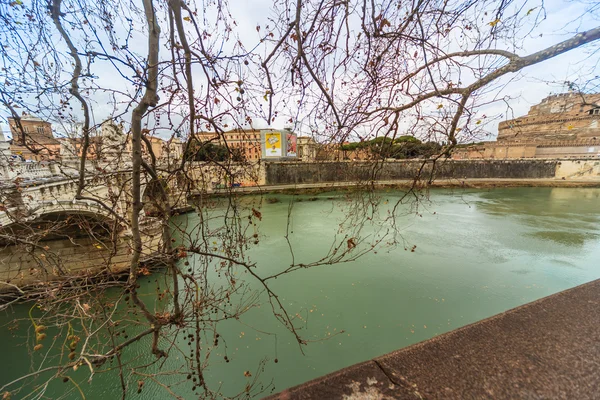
[207, 151]
[400, 148]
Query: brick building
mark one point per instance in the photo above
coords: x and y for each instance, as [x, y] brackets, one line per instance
[39, 144]
[245, 140]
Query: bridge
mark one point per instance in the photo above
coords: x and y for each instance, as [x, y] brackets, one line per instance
[48, 231]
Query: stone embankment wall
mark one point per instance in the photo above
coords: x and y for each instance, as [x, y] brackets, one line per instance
[281, 173]
[66, 259]
[581, 169]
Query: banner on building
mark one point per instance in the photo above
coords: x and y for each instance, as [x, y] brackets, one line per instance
[273, 144]
[292, 145]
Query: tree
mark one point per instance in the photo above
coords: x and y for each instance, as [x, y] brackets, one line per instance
[383, 73]
[212, 152]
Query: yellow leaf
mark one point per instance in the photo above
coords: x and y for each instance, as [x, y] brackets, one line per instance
[440, 106]
[494, 22]
[530, 10]
[188, 19]
[478, 122]
[570, 127]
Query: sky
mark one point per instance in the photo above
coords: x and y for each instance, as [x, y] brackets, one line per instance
[510, 96]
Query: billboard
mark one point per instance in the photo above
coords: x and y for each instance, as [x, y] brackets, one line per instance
[273, 144]
[278, 144]
[292, 145]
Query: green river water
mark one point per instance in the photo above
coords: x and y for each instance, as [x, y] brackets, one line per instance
[478, 253]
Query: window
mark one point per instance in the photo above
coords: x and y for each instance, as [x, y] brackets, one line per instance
[594, 111]
[40, 130]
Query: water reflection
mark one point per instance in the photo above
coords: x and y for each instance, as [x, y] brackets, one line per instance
[564, 216]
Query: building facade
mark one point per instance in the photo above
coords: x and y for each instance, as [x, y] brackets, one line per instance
[560, 117]
[563, 125]
[247, 141]
[32, 139]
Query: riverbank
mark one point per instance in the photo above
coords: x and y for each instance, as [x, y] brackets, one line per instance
[472, 183]
[544, 349]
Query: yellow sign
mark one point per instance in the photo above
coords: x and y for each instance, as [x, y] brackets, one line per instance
[273, 144]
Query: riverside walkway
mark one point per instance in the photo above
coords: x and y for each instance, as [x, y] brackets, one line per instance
[547, 349]
[470, 183]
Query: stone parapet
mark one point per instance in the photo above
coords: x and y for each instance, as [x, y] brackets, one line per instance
[547, 349]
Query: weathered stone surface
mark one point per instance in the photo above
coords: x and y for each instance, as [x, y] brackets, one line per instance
[565, 116]
[301, 173]
[548, 349]
[365, 381]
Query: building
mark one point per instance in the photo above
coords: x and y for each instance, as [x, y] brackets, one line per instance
[247, 141]
[561, 117]
[167, 151]
[32, 138]
[307, 148]
[110, 142]
[563, 125]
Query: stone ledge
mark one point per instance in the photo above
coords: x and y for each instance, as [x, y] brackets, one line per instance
[549, 348]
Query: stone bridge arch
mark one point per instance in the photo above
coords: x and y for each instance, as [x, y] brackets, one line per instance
[85, 208]
[59, 240]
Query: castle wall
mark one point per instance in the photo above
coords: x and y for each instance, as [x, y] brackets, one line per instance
[543, 128]
[568, 151]
[566, 116]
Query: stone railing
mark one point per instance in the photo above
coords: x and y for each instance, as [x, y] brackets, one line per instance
[28, 170]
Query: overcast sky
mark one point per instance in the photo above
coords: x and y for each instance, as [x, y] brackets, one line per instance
[521, 90]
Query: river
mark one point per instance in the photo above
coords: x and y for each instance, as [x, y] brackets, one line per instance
[462, 256]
